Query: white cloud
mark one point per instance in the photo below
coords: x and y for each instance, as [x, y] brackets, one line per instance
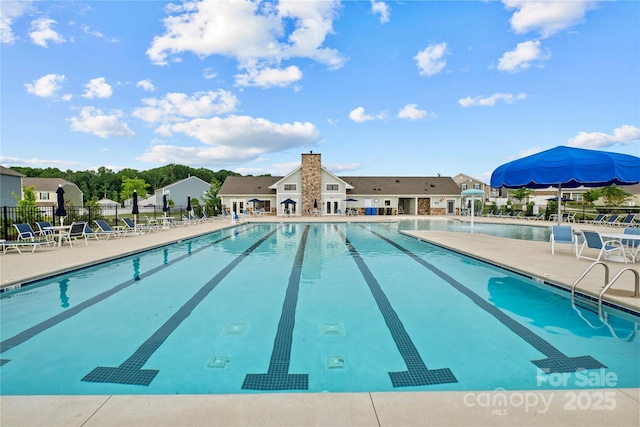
[94, 121]
[64, 164]
[411, 112]
[146, 85]
[343, 167]
[179, 106]
[46, 86]
[625, 134]
[232, 139]
[98, 88]
[209, 73]
[430, 59]
[267, 77]
[382, 9]
[546, 17]
[9, 11]
[42, 33]
[522, 56]
[507, 98]
[278, 31]
[358, 115]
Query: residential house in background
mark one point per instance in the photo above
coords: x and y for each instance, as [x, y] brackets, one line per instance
[45, 190]
[180, 190]
[313, 189]
[10, 182]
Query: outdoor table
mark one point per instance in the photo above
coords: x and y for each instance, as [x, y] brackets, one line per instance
[623, 236]
[166, 222]
[60, 231]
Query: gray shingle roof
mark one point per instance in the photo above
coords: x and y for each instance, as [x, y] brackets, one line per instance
[7, 171]
[248, 185]
[45, 184]
[372, 185]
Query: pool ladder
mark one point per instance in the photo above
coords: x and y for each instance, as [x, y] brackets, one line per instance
[607, 283]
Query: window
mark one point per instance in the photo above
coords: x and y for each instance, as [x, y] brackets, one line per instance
[387, 202]
[289, 187]
[476, 186]
[463, 186]
[44, 196]
[332, 187]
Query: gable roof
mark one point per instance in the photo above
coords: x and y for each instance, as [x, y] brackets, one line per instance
[182, 180]
[46, 184]
[371, 185]
[248, 185]
[402, 185]
[11, 172]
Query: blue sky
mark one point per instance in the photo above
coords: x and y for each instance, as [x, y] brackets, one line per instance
[411, 88]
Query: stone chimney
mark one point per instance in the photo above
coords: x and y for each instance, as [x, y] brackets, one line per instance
[311, 181]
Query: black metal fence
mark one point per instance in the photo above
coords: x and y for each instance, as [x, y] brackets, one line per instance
[10, 215]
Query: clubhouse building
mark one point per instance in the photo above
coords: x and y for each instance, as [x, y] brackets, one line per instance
[311, 189]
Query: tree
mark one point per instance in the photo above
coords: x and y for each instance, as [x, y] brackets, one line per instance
[211, 200]
[130, 184]
[28, 199]
[521, 194]
[614, 196]
[591, 196]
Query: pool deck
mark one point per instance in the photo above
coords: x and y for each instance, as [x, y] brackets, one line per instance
[620, 407]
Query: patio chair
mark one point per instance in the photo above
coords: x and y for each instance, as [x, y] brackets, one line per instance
[593, 240]
[207, 217]
[43, 231]
[632, 246]
[137, 228]
[563, 234]
[107, 230]
[77, 231]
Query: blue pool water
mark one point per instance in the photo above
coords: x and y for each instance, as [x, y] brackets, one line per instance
[526, 230]
[304, 308]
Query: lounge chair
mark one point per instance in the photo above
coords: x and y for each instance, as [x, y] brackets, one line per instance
[138, 228]
[17, 245]
[627, 221]
[612, 220]
[88, 231]
[632, 246]
[538, 217]
[107, 230]
[563, 234]
[567, 217]
[593, 240]
[598, 219]
[26, 234]
[518, 215]
[209, 218]
[77, 231]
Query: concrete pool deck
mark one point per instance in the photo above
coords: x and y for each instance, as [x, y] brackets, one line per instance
[620, 407]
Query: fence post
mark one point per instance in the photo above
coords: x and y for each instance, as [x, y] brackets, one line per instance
[5, 221]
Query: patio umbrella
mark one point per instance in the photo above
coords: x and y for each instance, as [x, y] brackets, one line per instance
[135, 210]
[165, 206]
[472, 192]
[315, 203]
[254, 201]
[568, 167]
[189, 206]
[60, 210]
[288, 202]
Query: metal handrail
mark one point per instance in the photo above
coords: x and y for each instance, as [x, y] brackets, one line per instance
[609, 284]
[582, 276]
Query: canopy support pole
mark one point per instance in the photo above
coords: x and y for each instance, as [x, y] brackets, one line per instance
[559, 203]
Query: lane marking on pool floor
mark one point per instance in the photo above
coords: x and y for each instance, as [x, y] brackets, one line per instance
[130, 371]
[556, 361]
[278, 376]
[417, 373]
[31, 332]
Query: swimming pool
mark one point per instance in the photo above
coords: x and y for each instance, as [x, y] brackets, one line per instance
[303, 307]
[523, 231]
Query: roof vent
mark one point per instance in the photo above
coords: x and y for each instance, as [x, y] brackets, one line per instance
[397, 180]
[432, 185]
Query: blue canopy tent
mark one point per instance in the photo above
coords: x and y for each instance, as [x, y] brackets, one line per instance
[568, 167]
